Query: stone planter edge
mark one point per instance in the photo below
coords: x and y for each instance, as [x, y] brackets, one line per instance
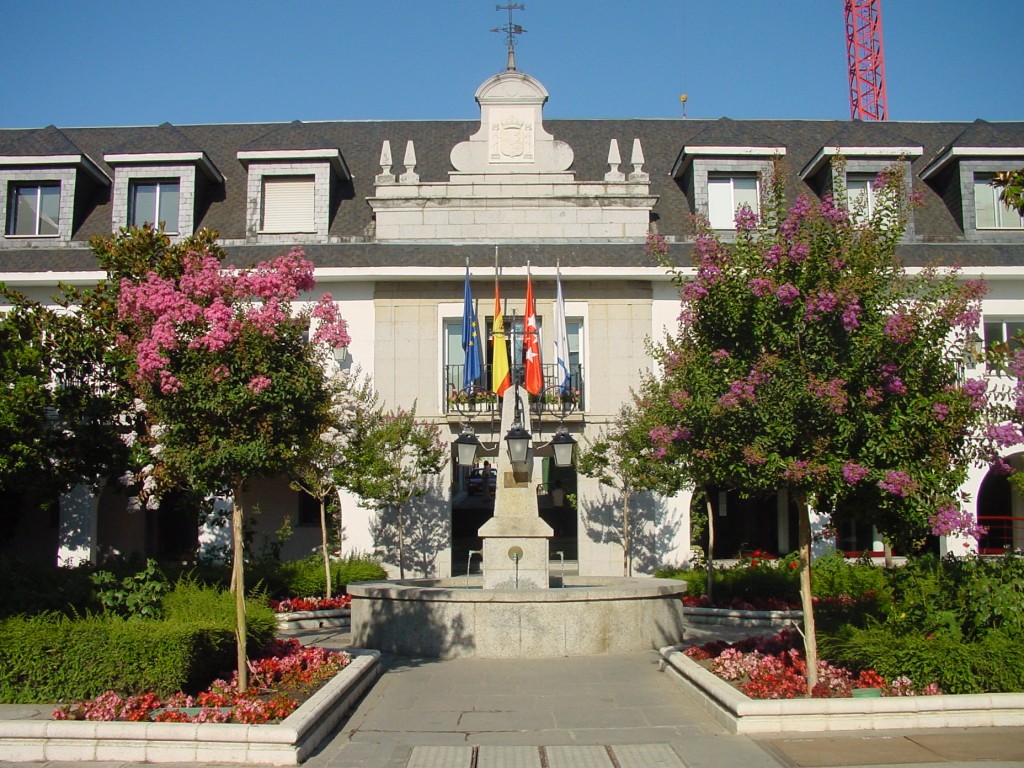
[286, 743]
[740, 714]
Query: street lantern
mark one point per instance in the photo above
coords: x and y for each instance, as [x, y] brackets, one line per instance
[466, 444]
[563, 444]
[518, 440]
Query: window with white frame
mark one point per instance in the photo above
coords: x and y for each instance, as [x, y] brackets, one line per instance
[34, 209]
[155, 202]
[726, 194]
[288, 204]
[1003, 336]
[991, 212]
[861, 195]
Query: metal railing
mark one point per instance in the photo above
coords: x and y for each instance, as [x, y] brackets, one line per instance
[479, 398]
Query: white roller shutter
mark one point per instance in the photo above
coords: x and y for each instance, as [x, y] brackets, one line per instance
[288, 204]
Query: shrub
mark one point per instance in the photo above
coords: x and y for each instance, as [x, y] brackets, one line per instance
[994, 663]
[31, 588]
[51, 657]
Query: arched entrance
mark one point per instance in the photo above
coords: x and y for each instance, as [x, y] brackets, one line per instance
[1001, 511]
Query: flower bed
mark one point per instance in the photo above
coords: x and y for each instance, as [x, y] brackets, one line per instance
[279, 682]
[774, 668]
[299, 604]
[287, 743]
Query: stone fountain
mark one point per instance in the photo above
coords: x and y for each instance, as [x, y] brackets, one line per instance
[515, 612]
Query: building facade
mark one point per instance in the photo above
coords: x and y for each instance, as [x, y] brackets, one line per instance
[391, 213]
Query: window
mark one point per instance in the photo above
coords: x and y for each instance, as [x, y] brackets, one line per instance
[861, 196]
[726, 194]
[155, 202]
[34, 210]
[1003, 336]
[288, 204]
[990, 212]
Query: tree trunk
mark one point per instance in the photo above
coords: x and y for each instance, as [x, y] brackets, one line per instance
[324, 548]
[238, 585]
[627, 561]
[711, 544]
[401, 541]
[887, 551]
[806, 600]
[341, 527]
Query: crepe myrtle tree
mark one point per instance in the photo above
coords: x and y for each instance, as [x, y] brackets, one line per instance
[353, 399]
[806, 359]
[231, 386]
[391, 456]
[68, 414]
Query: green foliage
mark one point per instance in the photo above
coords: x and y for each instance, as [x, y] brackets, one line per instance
[1012, 185]
[835, 576]
[51, 657]
[137, 595]
[806, 359]
[992, 663]
[388, 462]
[32, 588]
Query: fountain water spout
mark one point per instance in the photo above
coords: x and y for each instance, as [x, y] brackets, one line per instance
[469, 560]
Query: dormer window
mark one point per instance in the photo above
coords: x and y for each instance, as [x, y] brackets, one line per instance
[727, 193]
[154, 202]
[34, 210]
[989, 211]
[293, 173]
[288, 204]
[720, 169]
[161, 188]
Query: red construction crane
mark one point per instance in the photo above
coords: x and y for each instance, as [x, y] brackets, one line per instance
[866, 59]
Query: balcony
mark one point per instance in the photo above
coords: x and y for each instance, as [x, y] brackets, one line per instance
[481, 401]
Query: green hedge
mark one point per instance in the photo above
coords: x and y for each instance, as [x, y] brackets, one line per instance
[50, 657]
[992, 663]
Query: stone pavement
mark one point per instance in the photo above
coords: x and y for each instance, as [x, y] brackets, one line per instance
[593, 712]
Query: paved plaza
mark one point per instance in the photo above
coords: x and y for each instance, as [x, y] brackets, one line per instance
[615, 711]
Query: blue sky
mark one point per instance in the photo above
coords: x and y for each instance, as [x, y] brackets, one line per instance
[143, 62]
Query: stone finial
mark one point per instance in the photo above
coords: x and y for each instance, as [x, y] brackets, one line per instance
[385, 176]
[637, 159]
[410, 176]
[614, 158]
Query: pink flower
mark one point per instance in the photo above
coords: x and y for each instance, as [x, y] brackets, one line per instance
[853, 473]
[746, 219]
[898, 483]
[259, 383]
[787, 293]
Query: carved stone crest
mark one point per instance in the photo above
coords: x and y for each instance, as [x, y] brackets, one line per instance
[511, 140]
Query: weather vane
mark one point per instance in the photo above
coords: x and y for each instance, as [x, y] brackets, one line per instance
[510, 30]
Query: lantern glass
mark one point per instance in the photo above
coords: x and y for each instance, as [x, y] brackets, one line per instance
[466, 444]
[518, 440]
[563, 446]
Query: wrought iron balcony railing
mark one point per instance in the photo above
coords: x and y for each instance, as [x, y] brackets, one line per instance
[479, 398]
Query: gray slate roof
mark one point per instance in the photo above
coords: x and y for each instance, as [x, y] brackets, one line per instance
[360, 143]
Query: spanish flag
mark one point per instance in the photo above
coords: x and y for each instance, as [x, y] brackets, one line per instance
[500, 379]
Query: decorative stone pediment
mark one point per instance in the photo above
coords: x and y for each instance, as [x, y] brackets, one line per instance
[511, 137]
[511, 182]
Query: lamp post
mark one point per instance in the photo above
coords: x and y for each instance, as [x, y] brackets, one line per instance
[517, 438]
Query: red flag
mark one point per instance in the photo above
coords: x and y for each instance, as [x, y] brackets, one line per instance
[534, 377]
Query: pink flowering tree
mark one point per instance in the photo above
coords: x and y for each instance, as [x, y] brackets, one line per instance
[232, 386]
[806, 359]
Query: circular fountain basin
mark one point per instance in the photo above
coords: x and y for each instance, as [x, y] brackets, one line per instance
[449, 618]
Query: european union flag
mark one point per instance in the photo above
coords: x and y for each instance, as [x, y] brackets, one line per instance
[470, 339]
